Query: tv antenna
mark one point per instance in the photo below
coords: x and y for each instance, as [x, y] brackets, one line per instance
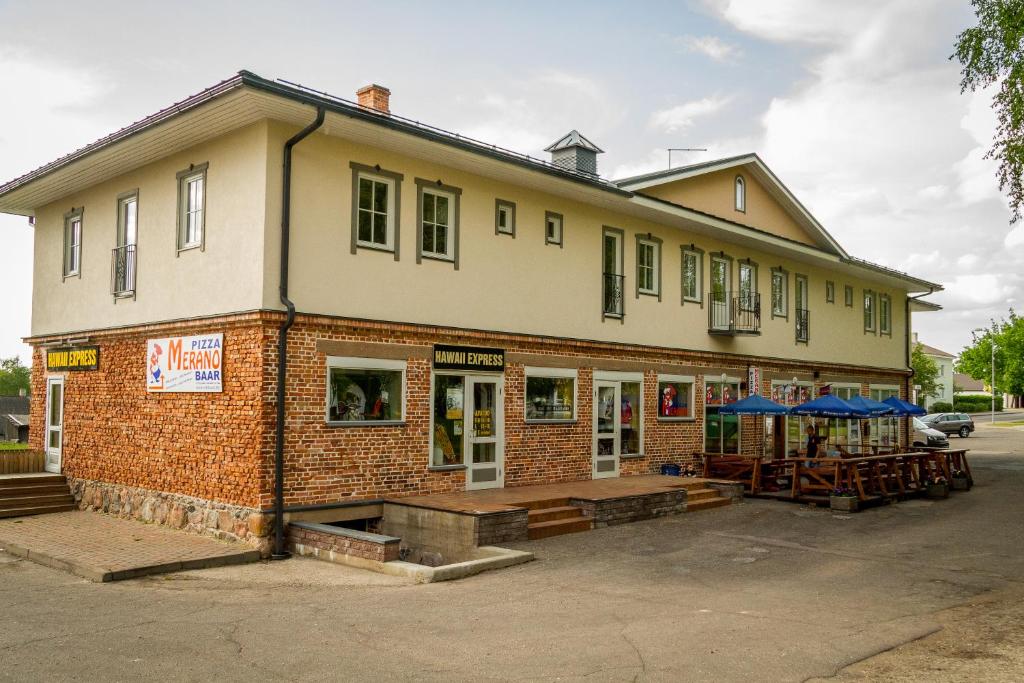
[683, 149]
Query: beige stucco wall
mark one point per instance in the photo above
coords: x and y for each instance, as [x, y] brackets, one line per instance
[225, 277]
[522, 284]
[714, 193]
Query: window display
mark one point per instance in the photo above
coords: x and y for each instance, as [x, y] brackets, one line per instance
[364, 395]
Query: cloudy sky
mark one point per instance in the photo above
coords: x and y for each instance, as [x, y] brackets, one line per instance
[855, 105]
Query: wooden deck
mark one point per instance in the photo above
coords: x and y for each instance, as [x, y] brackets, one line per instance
[500, 500]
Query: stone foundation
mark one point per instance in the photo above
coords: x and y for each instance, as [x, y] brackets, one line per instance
[324, 542]
[632, 508]
[219, 520]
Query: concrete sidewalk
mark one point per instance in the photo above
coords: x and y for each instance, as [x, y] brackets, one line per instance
[101, 548]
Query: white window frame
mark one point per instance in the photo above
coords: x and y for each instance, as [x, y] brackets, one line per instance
[72, 260]
[449, 253]
[389, 230]
[740, 194]
[870, 321]
[885, 314]
[717, 379]
[635, 378]
[692, 401]
[359, 363]
[553, 373]
[654, 267]
[698, 274]
[747, 302]
[508, 209]
[550, 217]
[783, 311]
[185, 209]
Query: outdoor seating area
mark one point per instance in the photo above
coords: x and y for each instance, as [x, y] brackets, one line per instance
[856, 475]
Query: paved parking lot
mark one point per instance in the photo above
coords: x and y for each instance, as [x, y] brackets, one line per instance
[764, 590]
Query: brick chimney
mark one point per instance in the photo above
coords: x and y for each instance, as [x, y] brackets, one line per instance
[374, 97]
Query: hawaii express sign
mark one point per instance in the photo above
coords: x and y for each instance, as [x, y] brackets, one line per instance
[185, 364]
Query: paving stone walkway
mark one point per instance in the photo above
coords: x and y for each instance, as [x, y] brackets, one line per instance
[101, 548]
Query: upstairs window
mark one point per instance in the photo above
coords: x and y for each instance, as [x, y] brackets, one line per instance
[192, 207]
[648, 266]
[375, 212]
[73, 243]
[848, 295]
[780, 294]
[830, 292]
[869, 311]
[693, 261]
[741, 194]
[437, 221]
[504, 218]
[885, 315]
[748, 286]
[553, 228]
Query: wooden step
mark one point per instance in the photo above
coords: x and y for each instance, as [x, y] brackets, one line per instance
[33, 479]
[694, 495]
[557, 527]
[706, 504]
[37, 510]
[34, 500]
[35, 489]
[548, 514]
[542, 504]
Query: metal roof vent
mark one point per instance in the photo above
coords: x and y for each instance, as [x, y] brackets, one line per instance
[575, 153]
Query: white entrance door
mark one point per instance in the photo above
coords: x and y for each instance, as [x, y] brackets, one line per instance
[484, 427]
[54, 423]
[607, 429]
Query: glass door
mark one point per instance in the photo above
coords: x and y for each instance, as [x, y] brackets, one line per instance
[54, 423]
[485, 467]
[719, 300]
[607, 429]
[612, 288]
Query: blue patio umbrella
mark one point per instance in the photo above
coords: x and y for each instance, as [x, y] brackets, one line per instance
[903, 409]
[828, 406]
[753, 405]
[874, 408]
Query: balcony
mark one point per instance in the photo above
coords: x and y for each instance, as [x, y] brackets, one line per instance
[612, 294]
[803, 325]
[730, 314]
[122, 271]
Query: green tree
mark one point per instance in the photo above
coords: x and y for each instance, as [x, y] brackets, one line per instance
[926, 373]
[992, 53]
[13, 376]
[1008, 337]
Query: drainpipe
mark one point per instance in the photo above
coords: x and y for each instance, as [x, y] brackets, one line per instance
[280, 553]
[910, 379]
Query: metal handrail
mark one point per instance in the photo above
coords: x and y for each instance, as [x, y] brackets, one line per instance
[731, 313]
[122, 270]
[612, 294]
[803, 325]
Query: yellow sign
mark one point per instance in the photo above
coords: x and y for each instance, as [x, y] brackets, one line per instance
[79, 358]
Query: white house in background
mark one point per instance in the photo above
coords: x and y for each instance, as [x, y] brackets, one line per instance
[968, 386]
[945, 379]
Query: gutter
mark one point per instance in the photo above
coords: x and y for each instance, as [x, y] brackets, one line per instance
[280, 553]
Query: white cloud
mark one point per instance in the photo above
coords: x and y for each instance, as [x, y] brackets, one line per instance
[683, 116]
[710, 46]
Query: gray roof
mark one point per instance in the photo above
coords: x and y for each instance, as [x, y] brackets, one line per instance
[20, 420]
[573, 139]
[967, 383]
[14, 405]
[654, 175]
[932, 351]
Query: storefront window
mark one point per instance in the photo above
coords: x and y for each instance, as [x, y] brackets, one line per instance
[721, 432]
[845, 432]
[550, 397]
[630, 418]
[790, 394]
[884, 431]
[363, 390]
[449, 403]
[675, 398]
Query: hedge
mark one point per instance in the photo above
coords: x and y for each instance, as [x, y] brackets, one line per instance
[975, 403]
[941, 407]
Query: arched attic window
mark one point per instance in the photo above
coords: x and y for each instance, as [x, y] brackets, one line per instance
[741, 194]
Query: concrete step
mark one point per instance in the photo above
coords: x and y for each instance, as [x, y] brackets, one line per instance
[706, 504]
[557, 527]
[35, 500]
[36, 510]
[542, 504]
[693, 495]
[548, 514]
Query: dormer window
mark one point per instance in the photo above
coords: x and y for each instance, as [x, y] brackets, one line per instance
[741, 194]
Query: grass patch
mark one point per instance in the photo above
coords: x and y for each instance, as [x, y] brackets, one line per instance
[1009, 423]
[8, 446]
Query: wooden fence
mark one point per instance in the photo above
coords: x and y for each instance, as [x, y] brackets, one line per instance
[22, 461]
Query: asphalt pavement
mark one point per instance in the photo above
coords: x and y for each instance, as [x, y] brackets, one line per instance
[765, 590]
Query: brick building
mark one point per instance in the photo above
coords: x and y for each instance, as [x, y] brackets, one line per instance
[464, 316]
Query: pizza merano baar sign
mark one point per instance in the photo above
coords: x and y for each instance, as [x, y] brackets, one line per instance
[79, 358]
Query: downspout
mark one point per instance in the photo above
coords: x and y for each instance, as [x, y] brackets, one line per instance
[910, 379]
[280, 553]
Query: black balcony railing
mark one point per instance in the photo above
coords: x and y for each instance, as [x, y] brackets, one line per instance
[612, 294]
[803, 325]
[732, 314]
[122, 270]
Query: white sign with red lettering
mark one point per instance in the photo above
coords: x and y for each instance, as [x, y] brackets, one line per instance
[185, 364]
